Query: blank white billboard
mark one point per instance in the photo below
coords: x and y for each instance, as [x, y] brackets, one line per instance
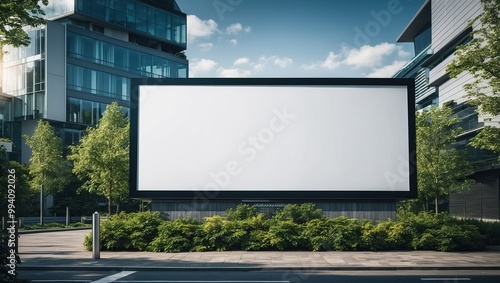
[272, 138]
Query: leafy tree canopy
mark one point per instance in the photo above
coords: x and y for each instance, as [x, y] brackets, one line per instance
[102, 157]
[441, 169]
[481, 58]
[16, 14]
[47, 164]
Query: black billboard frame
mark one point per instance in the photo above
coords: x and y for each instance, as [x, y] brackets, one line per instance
[271, 195]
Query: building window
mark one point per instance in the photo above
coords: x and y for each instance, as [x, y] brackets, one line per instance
[107, 54]
[97, 82]
[138, 16]
[85, 111]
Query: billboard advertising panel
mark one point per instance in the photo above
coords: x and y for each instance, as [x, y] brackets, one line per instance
[273, 138]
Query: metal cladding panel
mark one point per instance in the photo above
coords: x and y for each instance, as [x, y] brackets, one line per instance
[55, 75]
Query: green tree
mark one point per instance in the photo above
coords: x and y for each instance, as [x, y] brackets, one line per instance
[102, 157]
[441, 169]
[480, 57]
[47, 164]
[16, 14]
[48, 169]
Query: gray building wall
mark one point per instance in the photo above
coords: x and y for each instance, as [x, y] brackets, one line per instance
[449, 18]
[28, 128]
[55, 70]
[481, 201]
[373, 210]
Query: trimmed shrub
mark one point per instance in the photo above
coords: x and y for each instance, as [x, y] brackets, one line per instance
[491, 230]
[241, 212]
[339, 234]
[130, 232]
[299, 214]
[222, 234]
[450, 238]
[180, 235]
[286, 235]
[257, 236]
[346, 233]
[385, 235]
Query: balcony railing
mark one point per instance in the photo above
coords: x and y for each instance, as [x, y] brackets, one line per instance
[414, 62]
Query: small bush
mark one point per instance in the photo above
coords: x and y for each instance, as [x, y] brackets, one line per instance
[295, 227]
[299, 214]
[37, 226]
[222, 234]
[130, 232]
[385, 235]
[491, 230]
[257, 236]
[285, 235]
[241, 212]
[180, 235]
[79, 224]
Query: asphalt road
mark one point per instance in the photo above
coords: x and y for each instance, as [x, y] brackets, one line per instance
[284, 276]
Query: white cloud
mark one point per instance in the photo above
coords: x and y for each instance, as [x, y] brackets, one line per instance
[403, 54]
[233, 72]
[332, 61]
[233, 42]
[200, 66]
[237, 28]
[205, 46]
[234, 28]
[312, 66]
[197, 28]
[241, 61]
[282, 62]
[369, 56]
[386, 71]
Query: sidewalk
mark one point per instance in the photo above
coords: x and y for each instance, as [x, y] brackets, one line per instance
[64, 250]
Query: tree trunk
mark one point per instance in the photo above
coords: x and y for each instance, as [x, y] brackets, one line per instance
[436, 204]
[117, 208]
[109, 207]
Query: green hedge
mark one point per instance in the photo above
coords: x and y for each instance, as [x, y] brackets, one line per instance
[295, 227]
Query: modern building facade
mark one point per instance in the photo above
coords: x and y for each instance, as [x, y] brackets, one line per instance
[83, 59]
[436, 30]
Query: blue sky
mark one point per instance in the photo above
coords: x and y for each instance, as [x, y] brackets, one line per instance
[297, 38]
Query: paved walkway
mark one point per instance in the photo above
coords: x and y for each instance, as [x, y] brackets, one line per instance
[56, 250]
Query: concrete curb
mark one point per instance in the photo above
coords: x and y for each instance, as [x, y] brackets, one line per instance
[242, 269]
[52, 230]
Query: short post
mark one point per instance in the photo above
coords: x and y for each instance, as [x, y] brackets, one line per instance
[67, 216]
[95, 236]
[41, 205]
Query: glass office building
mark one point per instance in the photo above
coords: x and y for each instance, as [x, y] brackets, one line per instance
[436, 31]
[83, 59]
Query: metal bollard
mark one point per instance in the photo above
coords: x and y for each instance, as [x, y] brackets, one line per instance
[68, 219]
[96, 253]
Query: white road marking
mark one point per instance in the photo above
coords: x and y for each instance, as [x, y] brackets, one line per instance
[445, 279]
[200, 281]
[114, 277]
